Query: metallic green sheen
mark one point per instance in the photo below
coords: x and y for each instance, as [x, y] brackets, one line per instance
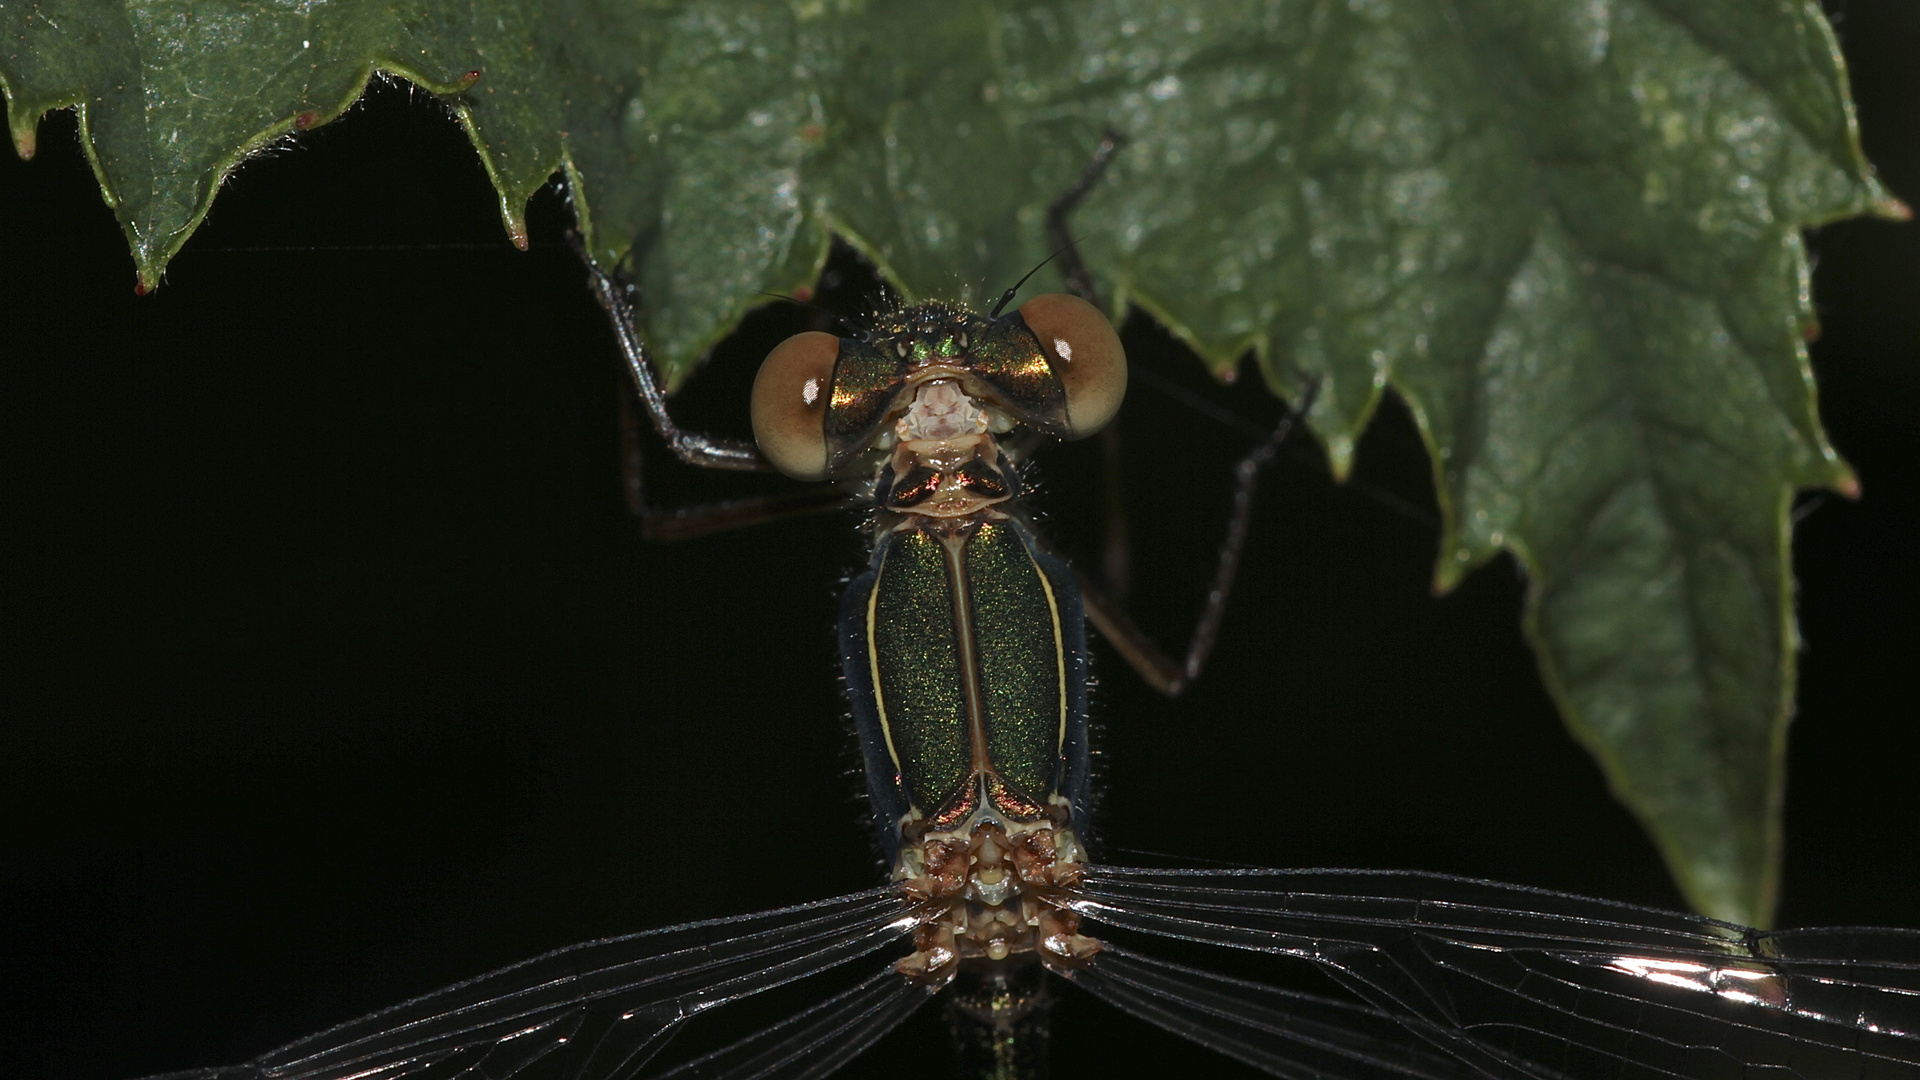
[865, 382]
[1017, 637]
[1003, 355]
[1008, 357]
[911, 637]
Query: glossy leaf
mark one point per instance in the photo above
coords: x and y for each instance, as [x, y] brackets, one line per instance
[1567, 234]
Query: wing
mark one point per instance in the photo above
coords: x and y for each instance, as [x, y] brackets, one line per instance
[1283, 1032]
[601, 1010]
[817, 1041]
[1500, 981]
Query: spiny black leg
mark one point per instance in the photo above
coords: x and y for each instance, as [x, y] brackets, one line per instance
[633, 461]
[1160, 671]
[1246, 480]
[1117, 561]
[708, 518]
[705, 451]
[1072, 266]
[686, 523]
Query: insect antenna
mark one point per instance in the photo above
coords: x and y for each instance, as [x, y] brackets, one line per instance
[811, 306]
[1007, 297]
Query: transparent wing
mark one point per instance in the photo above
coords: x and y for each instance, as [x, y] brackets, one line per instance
[600, 1010]
[1284, 1032]
[1513, 982]
[815, 1042]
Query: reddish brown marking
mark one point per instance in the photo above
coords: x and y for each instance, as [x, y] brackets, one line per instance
[1061, 943]
[140, 288]
[812, 132]
[997, 789]
[946, 863]
[469, 79]
[305, 120]
[1037, 861]
[955, 812]
[1031, 916]
[923, 963]
[1810, 333]
[803, 293]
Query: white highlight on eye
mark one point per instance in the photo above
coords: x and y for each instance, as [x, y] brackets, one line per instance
[810, 391]
[1065, 350]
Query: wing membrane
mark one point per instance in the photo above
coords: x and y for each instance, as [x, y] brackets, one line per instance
[1284, 1032]
[1523, 983]
[594, 1011]
[818, 1040]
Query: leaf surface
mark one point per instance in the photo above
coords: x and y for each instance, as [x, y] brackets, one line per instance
[1567, 234]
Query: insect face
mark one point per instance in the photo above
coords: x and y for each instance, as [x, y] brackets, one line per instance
[821, 403]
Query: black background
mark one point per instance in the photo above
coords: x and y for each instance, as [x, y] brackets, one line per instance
[336, 671]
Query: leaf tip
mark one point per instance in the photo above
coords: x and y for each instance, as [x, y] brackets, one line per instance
[1848, 486]
[1892, 209]
[149, 269]
[467, 80]
[1452, 568]
[1340, 457]
[517, 232]
[26, 142]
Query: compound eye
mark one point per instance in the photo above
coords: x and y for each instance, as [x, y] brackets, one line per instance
[790, 398]
[1086, 355]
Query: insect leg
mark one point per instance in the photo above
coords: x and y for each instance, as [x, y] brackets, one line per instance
[689, 522]
[1160, 671]
[684, 523]
[1072, 266]
[706, 451]
[1117, 561]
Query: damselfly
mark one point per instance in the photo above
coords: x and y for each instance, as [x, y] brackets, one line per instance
[965, 655]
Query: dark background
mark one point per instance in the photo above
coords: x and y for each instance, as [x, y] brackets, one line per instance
[336, 671]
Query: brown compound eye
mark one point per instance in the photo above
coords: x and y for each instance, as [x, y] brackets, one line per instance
[1086, 355]
[790, 397]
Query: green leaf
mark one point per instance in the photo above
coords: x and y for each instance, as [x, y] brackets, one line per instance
[1567, 234]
